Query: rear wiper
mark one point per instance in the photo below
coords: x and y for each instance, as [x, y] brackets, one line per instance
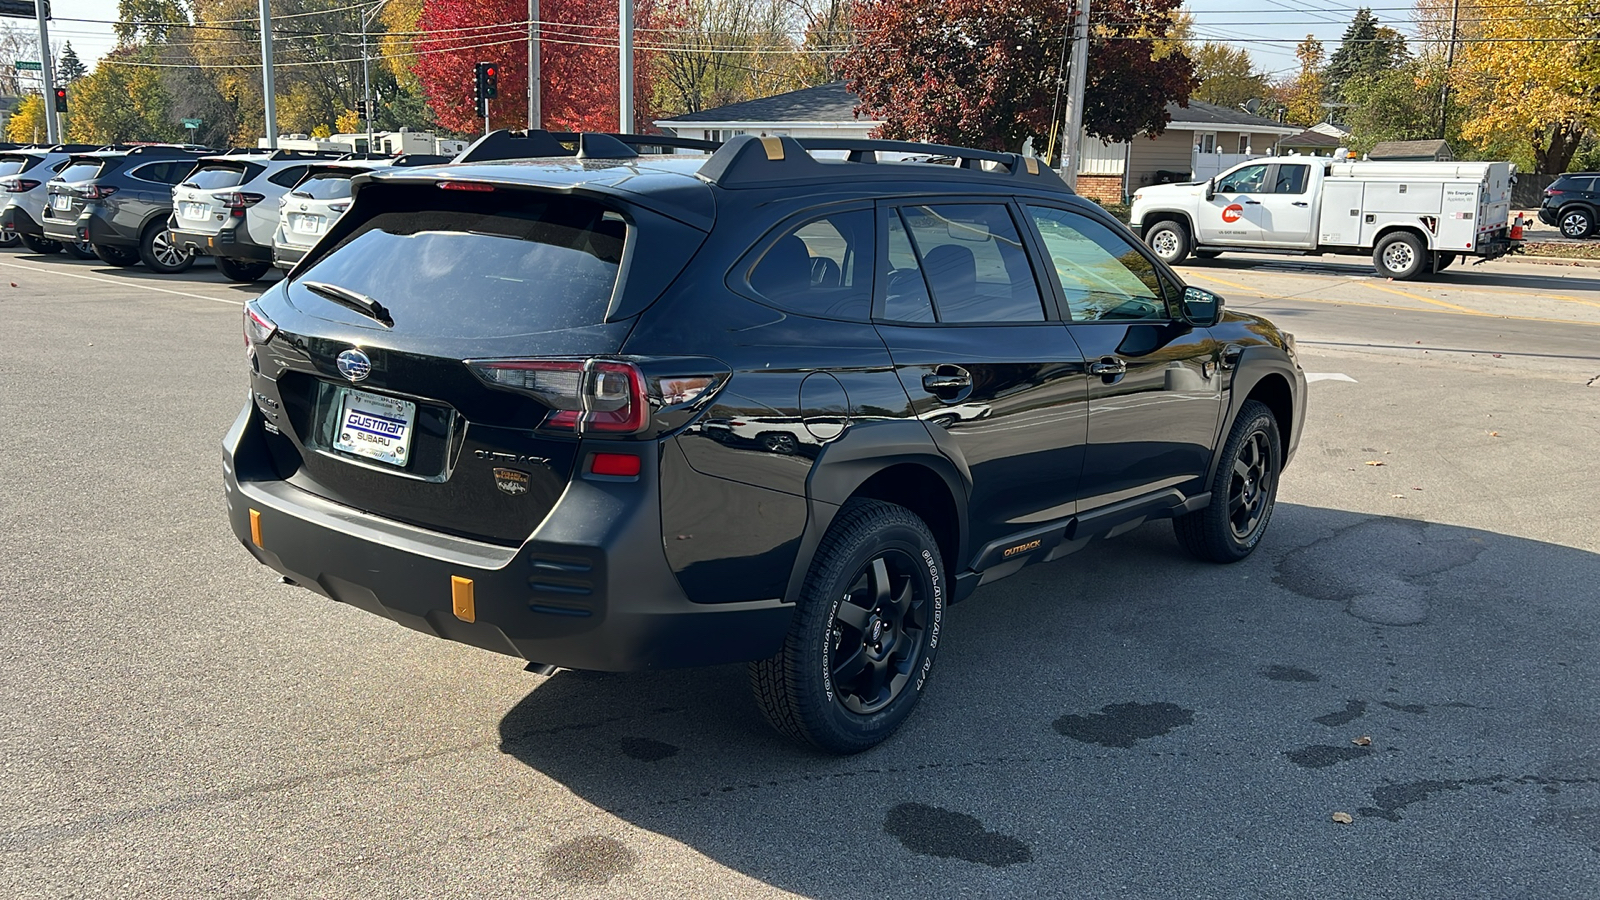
[359, 302]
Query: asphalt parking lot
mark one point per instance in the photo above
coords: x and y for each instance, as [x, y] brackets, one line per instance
[1121, 723]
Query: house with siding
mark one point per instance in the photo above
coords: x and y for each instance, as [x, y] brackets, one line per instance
[1201, 135]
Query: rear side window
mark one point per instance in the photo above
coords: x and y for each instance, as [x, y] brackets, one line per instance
[156, 173]
[212, 176]
[526, 266]
[324, 186]
[288, 177]
[81, 170]
[1291, 179]
[821, 268]
[974, 263]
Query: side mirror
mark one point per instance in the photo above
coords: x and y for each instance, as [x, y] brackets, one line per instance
[1211, 188]
[1201, 308]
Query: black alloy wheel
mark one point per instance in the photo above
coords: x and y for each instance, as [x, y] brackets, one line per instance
[864, 633]
[1244, 491]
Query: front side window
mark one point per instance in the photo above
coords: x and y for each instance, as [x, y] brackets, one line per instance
[972, 257]
[1103, 276]
[1291, 179]
[821, 268]
[1248, 180]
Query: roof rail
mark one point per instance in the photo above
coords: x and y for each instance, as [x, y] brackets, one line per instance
[420, 159]
[748, 161]
[277, 153]
[504, 144]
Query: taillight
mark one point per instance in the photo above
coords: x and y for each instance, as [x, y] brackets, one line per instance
[18, 185]
[239, 201]
[591, 395]
[615, 465]
[1551, 192]
[478, 186]
[338, 207]
[258, 329]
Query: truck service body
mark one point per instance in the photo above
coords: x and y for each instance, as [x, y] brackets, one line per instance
[1414, 217]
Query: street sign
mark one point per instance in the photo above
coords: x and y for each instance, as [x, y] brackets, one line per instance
[27, 65]
[22, 9]
[191, 123]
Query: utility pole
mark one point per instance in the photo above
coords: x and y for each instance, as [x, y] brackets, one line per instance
[625, 55]
[1073, 136]
[47, 73]
[533, 64]
[266, 77]
[1449, 61]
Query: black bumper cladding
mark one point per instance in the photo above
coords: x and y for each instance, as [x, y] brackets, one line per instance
[15, 220]
[591, 589]
[233, 243]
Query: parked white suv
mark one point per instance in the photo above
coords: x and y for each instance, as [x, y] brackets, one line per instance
[23, 174]
[228, 207]
[310, 209]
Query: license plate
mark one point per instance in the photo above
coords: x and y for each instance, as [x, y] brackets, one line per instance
[375, 426]
[193, 210]
[304, 224]
[61, 201]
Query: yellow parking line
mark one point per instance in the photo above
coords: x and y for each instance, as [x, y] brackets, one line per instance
[1400, 293]
[1428, 309]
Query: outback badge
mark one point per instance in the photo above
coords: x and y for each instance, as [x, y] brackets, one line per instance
[511, 481]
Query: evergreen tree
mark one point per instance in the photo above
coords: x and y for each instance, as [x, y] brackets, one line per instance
[70, 68]
[1367, 49]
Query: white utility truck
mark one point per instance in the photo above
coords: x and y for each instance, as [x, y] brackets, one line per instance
[1415, 218]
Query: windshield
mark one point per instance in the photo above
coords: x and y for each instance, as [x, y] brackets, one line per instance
[528, 267]
[325, 186]
[81, 170]
[215, 176]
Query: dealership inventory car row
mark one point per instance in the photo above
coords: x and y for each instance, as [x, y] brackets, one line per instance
[162, 205]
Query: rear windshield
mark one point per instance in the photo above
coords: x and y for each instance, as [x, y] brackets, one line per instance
[326, 186]
[215, 176]
[13, 165]
[81, 170]
[534, 266]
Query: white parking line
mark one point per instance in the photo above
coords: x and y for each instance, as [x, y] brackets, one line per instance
[1329, 376]
[122, 282]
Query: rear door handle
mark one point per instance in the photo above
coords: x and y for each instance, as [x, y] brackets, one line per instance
[950, 378]
[1110, 365]
[1252, 203]
[1301, 203]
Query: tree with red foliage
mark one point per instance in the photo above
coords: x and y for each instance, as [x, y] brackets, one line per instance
[985, 73]
[577, 62]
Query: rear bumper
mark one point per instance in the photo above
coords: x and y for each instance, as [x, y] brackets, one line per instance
[285, 257]
[591, 589]
[1548, 216]
[232, 241]
[61, 229]
[1496, 245]
[15, 220]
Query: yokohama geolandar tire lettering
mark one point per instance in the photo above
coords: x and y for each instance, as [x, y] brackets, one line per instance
[1243, 492]
[864, 633]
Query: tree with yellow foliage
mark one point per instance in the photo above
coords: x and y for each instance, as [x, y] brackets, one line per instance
[27, 121]
[1526, 77]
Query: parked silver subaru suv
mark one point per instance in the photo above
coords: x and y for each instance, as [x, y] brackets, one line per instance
[306, 213]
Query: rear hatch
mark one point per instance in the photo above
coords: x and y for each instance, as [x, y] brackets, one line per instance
[204, 201]
[65, 191]
[314, 205]
[13, 175]
[405, 428]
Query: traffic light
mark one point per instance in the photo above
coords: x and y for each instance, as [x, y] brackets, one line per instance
[485, 85]
[61, 99]
[361, 109]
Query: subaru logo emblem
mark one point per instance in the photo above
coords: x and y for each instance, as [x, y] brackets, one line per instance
[354, 364]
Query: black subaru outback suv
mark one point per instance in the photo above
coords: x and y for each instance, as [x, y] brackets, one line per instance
[607, 411]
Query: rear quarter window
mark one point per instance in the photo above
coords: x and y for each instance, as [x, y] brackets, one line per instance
[14, 165]
[82, 170]
[325, 186]
[524, 267]
[211, 177]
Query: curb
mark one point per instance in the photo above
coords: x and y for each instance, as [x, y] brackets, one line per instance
[1553, 261]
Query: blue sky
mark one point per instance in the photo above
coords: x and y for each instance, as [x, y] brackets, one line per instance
[1269, 29]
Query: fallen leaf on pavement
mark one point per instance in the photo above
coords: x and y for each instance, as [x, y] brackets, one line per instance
[1494, 434]
[1375, 462]
[1343, 818]
[1416, 489]
[1363, 741]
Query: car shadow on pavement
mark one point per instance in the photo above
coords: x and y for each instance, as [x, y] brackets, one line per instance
[1462, 274]
[1133, 723]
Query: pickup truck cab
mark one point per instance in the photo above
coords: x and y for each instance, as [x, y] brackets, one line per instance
[1415, 218]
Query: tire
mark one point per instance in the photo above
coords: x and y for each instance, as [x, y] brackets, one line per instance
[158, 252]
[243, 271]
[864, 633]
[1243, 492]
[1575, 222]
[39, 244]
[1207, 254]
[1169, 240]
[116, 256]
[79, 250]
[1400, 256]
